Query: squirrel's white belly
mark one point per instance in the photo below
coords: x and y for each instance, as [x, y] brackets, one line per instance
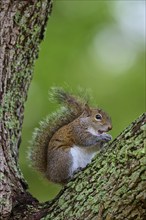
[81, 156]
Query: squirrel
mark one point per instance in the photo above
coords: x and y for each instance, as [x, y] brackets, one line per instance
[68, 139]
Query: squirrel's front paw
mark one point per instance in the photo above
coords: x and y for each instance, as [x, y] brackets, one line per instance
[107, 137]
[104, 137]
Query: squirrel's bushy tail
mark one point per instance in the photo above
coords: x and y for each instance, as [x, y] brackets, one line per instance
[75, 103]
[71, 108]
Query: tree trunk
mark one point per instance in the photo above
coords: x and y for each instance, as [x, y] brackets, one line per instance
[22, 25]
[113, 186]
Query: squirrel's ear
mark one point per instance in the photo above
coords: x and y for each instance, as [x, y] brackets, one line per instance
[87, 110]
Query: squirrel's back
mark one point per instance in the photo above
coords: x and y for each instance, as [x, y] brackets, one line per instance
[72, 107]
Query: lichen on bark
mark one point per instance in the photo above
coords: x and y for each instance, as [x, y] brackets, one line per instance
[22, 26]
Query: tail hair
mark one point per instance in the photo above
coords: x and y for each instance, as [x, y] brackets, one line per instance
[75, 103]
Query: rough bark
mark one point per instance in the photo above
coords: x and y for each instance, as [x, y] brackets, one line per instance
[113, 186]
[22, 26]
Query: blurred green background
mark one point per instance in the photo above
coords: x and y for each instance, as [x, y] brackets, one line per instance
[93, 44]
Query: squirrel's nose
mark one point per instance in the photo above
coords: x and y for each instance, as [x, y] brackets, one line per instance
[108, 128]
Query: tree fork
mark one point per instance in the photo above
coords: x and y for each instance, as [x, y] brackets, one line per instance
[113, 186]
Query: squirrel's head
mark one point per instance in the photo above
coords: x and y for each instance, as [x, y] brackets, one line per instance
[96, 120]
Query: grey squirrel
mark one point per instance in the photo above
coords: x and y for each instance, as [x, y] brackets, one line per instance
[68, 139]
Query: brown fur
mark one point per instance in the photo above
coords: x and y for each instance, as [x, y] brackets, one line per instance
[64, 130]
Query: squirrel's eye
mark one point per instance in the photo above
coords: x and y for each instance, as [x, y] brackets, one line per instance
[98, 117]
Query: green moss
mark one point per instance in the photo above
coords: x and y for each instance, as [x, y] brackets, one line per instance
[17, 17]
[79, 187]
[61, 201]
[80, 197]
[143, 127]
[143, 175]
[38, 4]
[143, 160]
